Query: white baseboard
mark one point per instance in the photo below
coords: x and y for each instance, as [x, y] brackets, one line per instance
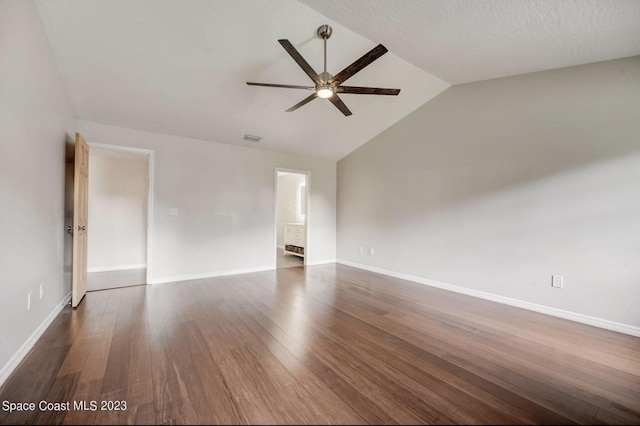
[117, 268]
[16, 359]
[165, 280]
[573, 316]
[321, 262]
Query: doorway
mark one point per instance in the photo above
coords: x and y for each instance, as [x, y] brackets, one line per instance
[119, 206]
[291, 218]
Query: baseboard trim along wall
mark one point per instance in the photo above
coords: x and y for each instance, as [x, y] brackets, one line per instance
[572, 316]
[321, 262]
[117, 268]
[16, 359]
[165, 280]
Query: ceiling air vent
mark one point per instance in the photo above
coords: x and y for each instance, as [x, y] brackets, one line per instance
[252, 138]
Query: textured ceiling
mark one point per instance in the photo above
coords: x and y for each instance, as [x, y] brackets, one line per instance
[179, 67]
[469, 40]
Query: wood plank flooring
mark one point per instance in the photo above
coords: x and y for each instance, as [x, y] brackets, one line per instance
[325, 344]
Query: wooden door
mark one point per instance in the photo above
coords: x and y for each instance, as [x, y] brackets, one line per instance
[80, 214]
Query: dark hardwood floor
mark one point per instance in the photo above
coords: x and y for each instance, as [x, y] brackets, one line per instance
[331, 344]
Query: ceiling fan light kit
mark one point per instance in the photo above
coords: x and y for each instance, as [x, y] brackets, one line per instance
[325, 91]
[328, 86]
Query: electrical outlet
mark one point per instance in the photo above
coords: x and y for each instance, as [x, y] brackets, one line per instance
[371, 251]
[361, 250]
[198, 255]
[41, 290]
[557, 281]
[29, 301]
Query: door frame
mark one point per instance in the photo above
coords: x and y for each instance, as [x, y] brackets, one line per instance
[307, 217]
[151, 154]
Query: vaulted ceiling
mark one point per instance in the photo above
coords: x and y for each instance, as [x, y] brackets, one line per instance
[470, 40]
[180, 66]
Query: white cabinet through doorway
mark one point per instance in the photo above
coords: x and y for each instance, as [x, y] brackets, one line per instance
[294, 239]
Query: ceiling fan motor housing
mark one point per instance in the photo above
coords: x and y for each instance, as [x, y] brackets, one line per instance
[325, 76]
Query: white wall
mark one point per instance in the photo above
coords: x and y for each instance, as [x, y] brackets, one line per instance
[495, 186]
[118, 190]
[287, 204]
[224, 195]
[35, 121]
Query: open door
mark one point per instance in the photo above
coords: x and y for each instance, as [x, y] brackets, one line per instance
[80, 214]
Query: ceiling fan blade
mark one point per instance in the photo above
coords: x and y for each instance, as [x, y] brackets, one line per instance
[300, 60]
[284, 86]
[367, 90]
[335, 99]
[359, 64]
[303, 102]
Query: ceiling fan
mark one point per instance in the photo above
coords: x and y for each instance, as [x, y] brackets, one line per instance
[328, 86]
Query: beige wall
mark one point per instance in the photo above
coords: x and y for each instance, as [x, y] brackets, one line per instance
[494, 186]
[224, 196]
[35, 121]
[118, 192]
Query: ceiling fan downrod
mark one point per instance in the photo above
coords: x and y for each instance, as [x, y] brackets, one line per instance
[324, 32]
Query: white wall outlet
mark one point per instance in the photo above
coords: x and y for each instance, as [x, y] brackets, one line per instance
[557, 281]
[41, 290]
[29, 300]
[361, 250]
[173, 212]
[198, 255]
[371, 251]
